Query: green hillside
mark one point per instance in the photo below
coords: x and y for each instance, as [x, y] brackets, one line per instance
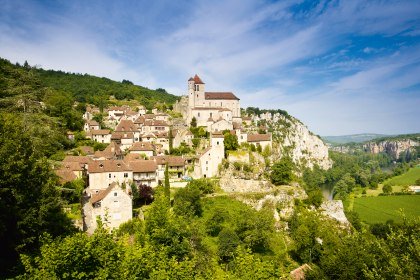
[380, 209]
[90, 89]
[406, 179]
[53, 102]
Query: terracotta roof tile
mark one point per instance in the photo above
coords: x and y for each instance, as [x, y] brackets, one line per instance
[220, 95]
[87, 150]
[79, 159]
[139, 166]
[171, 160]
[258, 137]
[126, 125]
[197, 80]
[100, 132]
[65, 175]
[102, 194]
[142, 146]
[99, 166]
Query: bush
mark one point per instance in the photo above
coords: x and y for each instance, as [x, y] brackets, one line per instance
[282, 171]
[387, 189]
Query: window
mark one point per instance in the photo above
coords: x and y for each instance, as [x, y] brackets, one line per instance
[217, 142]
[207, 162]
[115, 194]
[211, 115]
[125, 175]
[109, 175]
[199, 114]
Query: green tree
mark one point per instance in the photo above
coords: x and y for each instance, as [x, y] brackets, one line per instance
[171, 141]
[282, 171]
[30, 203]
[187, 202]
[167, 186]
[387, 189]
[193, 122]
[230, 141]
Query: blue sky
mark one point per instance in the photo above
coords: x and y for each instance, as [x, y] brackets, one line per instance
[341, 67]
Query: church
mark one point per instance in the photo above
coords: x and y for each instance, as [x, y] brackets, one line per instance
[215, 110]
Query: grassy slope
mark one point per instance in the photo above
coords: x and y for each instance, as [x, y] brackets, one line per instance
[382, 208]
[407, 178]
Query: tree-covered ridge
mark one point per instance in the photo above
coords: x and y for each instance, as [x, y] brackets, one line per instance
[90, 89]
[94, 90]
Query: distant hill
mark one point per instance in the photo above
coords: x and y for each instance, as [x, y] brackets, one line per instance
[353, 138]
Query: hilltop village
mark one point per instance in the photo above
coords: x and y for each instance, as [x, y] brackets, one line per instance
[139, 145]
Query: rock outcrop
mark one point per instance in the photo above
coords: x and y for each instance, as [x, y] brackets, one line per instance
[392, 148]
[294, 139]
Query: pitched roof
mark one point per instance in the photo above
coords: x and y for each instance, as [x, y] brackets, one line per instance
[99, 166]
[92, 122]
[122, 135]
[258, 137]
[102, 193]
[140, 166]
[171, 160]
[87, 150]
[111, 151]
[79, 159]
[197, 80]
[71, 166]
[100, 132]
[132, 157]
[140, 120]
[142, 146]
[155, 123]
[65, 175]
[126, 125]
[220, 95]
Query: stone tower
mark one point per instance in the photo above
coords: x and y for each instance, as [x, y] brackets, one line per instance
[196, 96]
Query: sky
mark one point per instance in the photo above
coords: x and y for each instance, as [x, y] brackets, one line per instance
[341, 67]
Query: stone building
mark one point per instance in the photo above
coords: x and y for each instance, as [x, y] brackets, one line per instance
[113, 206]
[210, 107]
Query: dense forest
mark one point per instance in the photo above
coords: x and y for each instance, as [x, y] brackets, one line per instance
[196, 232]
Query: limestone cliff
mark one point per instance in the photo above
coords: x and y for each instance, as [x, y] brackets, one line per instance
[392, 147]
[293, 138]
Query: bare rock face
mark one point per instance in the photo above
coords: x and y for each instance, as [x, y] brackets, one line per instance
[335, 210]
[295, 139]
[393, 148]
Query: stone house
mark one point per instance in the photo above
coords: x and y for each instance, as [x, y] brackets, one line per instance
[145, 148]
[101, 135]
[155, 126]
[144, 172]
[102, 173]
[176, 166]
[70, 171]
[162, 117]
[221, 125]
[112, 205]
[90, 112]
[112, 151]
[207, 163]
[91, 125]
[260, 139]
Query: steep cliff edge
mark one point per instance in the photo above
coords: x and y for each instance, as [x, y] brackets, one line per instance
[291, 137]
[395, 146]
[392, 148]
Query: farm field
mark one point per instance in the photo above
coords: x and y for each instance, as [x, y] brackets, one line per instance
[383, 208]
[407, 178]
